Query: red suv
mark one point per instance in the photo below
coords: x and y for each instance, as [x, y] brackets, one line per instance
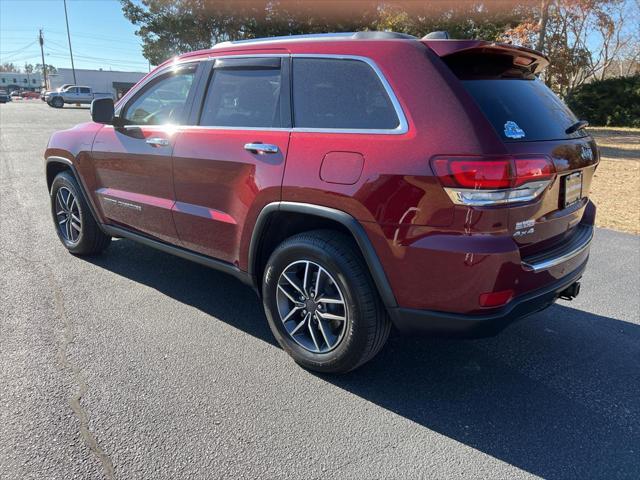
[354, 180]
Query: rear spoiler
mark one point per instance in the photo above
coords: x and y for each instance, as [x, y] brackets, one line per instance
[533, 60]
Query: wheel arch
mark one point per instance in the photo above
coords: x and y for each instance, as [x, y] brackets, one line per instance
[280, 220]
[55, 165]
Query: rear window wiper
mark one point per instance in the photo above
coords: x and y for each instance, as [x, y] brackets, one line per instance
[577, 126]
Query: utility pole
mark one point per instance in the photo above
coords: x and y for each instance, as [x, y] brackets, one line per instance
[73, 68]
[44, 65]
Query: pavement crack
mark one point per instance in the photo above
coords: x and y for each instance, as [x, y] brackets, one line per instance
[75, 401]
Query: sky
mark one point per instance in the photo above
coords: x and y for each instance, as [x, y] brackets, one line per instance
[101, 36]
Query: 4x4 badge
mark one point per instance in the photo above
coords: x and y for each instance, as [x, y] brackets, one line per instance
[512, 130]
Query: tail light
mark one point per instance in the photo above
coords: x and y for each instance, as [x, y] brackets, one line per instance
[487, 181]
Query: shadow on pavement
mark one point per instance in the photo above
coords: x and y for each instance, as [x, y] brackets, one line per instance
[557, 395]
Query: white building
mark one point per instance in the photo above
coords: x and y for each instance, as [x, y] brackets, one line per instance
[10, 81]
[101, 81]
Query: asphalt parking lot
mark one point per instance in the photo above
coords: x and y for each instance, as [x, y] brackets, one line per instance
[136, 364]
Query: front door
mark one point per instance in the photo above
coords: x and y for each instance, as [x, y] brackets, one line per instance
[231, 164]
[133, 163]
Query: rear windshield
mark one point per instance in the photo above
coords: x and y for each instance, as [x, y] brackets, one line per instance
[522, 110]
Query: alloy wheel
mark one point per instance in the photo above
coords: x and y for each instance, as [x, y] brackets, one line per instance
[311, 306]
[68, 215]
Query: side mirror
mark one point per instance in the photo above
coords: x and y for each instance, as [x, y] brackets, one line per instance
[102, 110]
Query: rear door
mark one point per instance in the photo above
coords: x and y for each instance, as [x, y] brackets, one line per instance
[85, 95]
[230, 164]
[133, 163]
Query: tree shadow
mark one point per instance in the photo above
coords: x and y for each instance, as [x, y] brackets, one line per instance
[556, 395]
[619, 153]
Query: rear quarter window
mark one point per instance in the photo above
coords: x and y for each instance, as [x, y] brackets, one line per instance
[340, 94]
[527, 109]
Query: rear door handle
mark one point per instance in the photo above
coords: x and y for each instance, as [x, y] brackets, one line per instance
[261, 148]
[158, 141]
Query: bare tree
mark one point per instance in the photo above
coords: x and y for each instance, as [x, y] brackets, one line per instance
[585, 39]
[542, 24]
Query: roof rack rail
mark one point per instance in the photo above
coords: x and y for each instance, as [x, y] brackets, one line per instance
[438, 35]
[366, 35]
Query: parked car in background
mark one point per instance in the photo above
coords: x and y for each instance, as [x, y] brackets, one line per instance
[74, 95]
[4, 96]
[15, 94]
[29, 94]
[354, 180]
[44, 93]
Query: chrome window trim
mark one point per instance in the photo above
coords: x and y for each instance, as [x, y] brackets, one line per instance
[401, 129]
[178, 128]
[403, 125]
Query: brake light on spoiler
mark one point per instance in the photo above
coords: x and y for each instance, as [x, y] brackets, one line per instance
[490, 180]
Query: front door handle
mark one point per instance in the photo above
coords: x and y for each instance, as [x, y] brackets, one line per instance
[158, 141]
[261, 148]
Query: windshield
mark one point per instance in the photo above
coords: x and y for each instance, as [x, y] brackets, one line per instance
[523, 110]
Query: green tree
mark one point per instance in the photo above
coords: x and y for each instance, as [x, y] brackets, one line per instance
[171, 27]
[599, 101]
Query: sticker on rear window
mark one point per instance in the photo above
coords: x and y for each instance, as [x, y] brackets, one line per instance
[512, 130]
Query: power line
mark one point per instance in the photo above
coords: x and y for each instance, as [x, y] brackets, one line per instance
[19, 49]
[95, 36]
[105, 63]
[60, 53]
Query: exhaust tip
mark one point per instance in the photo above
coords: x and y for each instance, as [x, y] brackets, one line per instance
[571, 292]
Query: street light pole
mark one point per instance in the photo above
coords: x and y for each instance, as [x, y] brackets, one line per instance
[44, 65]
[73, 68]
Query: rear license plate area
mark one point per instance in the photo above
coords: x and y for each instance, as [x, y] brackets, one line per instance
[572, 188]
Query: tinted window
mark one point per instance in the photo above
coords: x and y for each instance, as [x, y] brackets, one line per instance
[534, 108]
[330, 93]
[161, 102]
[85, 90]
[243, 98]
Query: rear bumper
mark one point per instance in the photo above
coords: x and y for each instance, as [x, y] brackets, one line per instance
[409, 320]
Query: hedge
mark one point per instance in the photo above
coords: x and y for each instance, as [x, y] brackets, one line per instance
[610, 102]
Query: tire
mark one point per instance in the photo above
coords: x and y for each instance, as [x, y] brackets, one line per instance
[57, 102]
[345, 276]
[88, 239]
